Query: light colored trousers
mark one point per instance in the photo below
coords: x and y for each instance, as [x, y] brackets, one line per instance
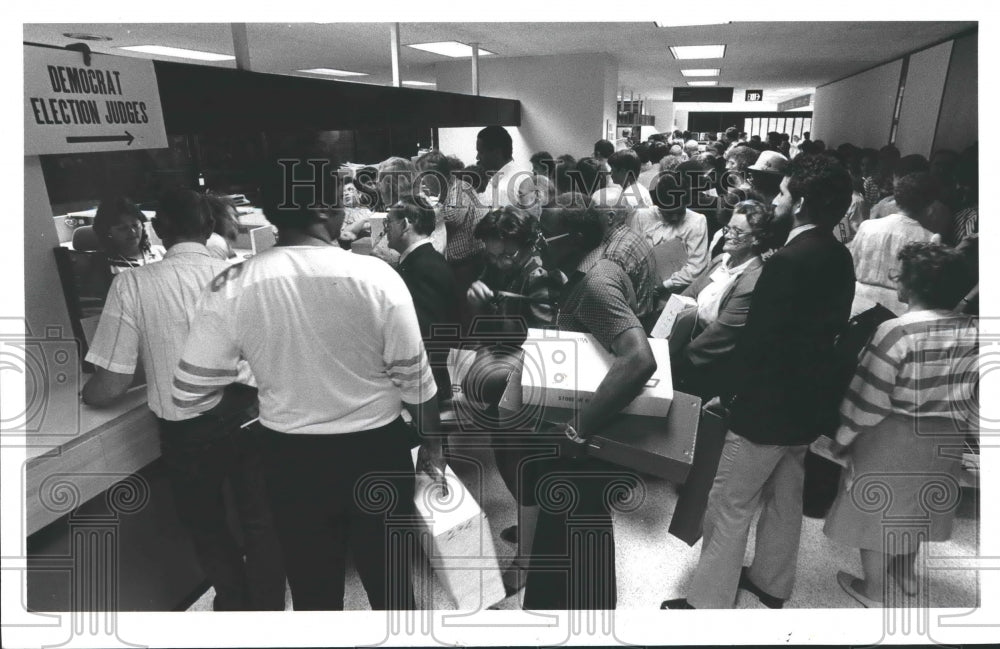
[750, 475]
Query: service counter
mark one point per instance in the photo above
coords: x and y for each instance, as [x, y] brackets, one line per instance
[81, 451]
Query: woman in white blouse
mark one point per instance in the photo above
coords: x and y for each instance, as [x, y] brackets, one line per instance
[704, 337]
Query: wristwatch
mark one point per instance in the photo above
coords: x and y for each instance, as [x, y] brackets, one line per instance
[573, 435]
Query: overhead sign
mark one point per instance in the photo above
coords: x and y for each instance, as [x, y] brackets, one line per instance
[110, 105]
[754, 95]
[795, 102]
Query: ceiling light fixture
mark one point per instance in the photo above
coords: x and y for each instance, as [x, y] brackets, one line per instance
[701, 72]
[698, 51]
[177, 52]
[670, 23]
[703, 83]
[418, 83]
[453, 49]
[333, 72]
[79, 36]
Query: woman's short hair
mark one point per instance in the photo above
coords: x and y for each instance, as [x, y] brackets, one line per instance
[672, 191]
[508, 223]
[110, 212]
[761, 221]
[914, 193]
[395, 179]
[742, 157]
[937, 275]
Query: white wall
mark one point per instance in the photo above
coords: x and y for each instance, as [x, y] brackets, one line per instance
[958, 124]
[857, 109]
[918, 116]
[565, 101]
[663, 111]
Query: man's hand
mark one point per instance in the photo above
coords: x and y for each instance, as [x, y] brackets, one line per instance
[430, 460]
[479, 293]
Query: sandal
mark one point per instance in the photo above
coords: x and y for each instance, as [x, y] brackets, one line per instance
[850, 583]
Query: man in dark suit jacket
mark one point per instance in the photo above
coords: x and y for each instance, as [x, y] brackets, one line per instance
[408, 228]
[785, 395]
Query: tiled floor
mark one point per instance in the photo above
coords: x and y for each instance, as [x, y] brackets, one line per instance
[653, 565]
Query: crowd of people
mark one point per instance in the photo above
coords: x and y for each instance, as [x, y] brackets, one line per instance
[777, 243]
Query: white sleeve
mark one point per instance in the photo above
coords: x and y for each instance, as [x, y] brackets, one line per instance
[211, 358]
[116, 342]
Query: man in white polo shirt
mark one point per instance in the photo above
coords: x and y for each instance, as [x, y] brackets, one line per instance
[146, 317]
[333, 341]
[511, 183]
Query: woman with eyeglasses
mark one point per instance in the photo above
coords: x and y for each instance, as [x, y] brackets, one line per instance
[704, 337]
[121, 233]
[513, 294]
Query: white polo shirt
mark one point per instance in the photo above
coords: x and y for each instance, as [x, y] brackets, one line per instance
[513, 184]
[332, 338]
[147, 315]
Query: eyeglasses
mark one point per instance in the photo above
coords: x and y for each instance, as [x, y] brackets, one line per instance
[733, 233]
[508, 255]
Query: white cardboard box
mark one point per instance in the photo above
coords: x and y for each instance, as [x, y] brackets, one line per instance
[564, 368]
[459, 544]
[673, 308]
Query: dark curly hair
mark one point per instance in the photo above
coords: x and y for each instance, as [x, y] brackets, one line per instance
[508, 223]
[824, 183]
[111, 210]
[936, 274]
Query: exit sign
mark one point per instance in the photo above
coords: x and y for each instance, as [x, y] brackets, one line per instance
[755, 95]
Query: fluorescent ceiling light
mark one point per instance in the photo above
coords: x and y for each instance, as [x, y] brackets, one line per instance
[418, 83]
[453, 49]
[701, 72]
[333, 72]
[670, 23]
[178, 52]
[703, 83]
[698, 51]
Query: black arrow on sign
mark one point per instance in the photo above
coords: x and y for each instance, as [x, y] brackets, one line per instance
[79, 139]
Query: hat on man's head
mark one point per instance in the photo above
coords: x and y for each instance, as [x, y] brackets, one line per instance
[770, 162]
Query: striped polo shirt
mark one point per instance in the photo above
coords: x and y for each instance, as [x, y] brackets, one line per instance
[331, 337]
[925, 365]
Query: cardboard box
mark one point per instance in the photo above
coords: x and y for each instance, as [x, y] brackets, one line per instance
[459, 543]
[564, 368]
[659, 446]
[673, 308]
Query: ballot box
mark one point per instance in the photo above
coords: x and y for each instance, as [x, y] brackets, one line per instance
[458, 542]
[661, 446]
[563, 369]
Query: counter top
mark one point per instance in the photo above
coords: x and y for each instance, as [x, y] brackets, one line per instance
[80, 451]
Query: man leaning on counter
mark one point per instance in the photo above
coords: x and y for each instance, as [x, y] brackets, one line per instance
[147, 318]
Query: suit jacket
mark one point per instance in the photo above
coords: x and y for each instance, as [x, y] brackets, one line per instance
[703, 361]
[784, 376]
[432, 287]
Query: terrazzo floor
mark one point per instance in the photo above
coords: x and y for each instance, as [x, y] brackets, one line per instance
[653, 566]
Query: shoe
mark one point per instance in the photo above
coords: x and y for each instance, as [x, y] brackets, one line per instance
[850, 583]
[769, 601]
[514, 579]
[679, 603]
[509, 534]
[906, 583]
